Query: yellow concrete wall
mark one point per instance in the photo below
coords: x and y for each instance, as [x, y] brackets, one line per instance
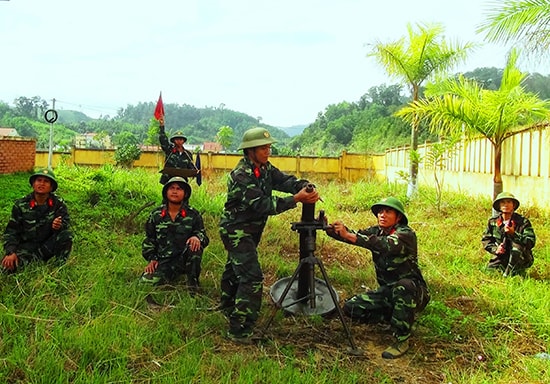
[348, 167]
[525, 165]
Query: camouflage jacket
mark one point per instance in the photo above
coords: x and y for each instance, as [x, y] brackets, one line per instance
[174, 158]
[494, 233]
[249, 195]
[31, 225]
[165, 238]
[395, 255]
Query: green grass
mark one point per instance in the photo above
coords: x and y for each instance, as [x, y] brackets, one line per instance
[87, 321]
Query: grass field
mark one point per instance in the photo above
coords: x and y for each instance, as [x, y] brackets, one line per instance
[88, 322]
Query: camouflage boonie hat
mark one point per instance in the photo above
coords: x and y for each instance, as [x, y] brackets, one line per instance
[46, 173]
[393, 203]
[502, 196]
[256, 137]
[178, 135]
[182, 183]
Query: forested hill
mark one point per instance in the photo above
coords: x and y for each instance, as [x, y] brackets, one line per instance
[365, 125]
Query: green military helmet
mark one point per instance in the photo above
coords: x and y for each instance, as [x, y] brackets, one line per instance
[391, 202]
[502, 196]
[256, 137]
[46, 172]
[178, 135]
[182, 183]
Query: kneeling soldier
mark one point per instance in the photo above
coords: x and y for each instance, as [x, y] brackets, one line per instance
[402, 292]
[39, 226]
[175, 238]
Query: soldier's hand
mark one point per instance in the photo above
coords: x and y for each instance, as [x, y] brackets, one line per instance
[510, 230]
[10, 262]
[339, 228]
[152, 266]
[306, 197]
[330, 229]
[56, 223]
[500, 249]
[194, 243]
[161, 120]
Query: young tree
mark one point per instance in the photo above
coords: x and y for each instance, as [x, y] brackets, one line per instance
[421, 56]
[459, 104]
[225, 136]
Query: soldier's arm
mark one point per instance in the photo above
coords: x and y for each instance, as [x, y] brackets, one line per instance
[62, 211]
[163, 139]
[488, 239]
[526, 235]
[14, 229]
[286, 183]
[393, 243]
[198, 229]
[149, 245]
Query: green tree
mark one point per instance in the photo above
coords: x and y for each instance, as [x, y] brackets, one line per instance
[459, 104]
[32, 107]
[225, 136]
[126, 154]
[421, 56]
[436, 158]
[124, 138]
[523, 23]
[153, 132]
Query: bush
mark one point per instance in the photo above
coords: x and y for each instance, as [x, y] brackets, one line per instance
[127, 154]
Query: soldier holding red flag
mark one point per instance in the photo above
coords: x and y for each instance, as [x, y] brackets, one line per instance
[178, 160]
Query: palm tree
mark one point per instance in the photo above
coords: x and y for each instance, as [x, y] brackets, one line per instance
[462, 105]
[422, 56]
[520, 22]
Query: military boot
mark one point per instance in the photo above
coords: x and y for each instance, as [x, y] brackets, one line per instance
[396, 350]
[192, 285]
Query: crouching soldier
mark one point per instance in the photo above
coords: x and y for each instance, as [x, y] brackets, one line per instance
[402, 291]
[38, 229]
[509, 237]
[175, 238]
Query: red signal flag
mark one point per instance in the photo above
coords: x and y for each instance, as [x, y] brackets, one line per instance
[159, 109]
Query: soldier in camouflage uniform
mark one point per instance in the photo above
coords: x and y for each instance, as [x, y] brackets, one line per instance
[402, 291]
[176, 156]
[38, 228]
[249, 203]
[509, 237]
[174, 238]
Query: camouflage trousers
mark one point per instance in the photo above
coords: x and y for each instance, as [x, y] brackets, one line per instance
[519, 259]
[241, 282]
[396, 304]
[58, 247]
[169, 270]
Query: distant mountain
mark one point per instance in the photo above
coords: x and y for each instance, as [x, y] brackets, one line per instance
[295, 130]
[68, 116]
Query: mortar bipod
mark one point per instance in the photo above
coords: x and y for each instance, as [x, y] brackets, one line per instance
[303, 293]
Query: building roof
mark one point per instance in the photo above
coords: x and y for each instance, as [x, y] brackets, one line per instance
[8, 132]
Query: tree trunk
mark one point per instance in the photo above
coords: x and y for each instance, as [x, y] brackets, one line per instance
[412, 188]
[497, 179]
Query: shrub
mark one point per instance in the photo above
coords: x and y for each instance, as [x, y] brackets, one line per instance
[126, 154]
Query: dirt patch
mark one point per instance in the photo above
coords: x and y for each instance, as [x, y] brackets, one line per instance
[323, 343]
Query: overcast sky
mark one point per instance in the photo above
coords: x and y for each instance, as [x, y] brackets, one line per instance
[283, 60]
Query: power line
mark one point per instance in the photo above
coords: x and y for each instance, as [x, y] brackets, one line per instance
[103, 110]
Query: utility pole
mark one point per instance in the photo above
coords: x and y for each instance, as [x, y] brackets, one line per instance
[50, 150]
[51, 116]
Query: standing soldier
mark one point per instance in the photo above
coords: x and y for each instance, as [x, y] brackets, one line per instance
[176, 156]
[174, 238]
[402, 292]
[509, 237]
[39, 226]
[249, 203]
